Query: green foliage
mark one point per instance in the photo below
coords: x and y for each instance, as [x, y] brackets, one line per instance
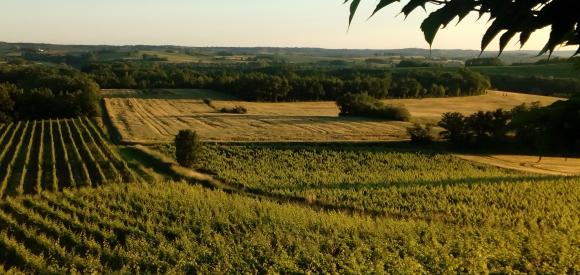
[187, 148]
[488, 126]
[421, 134]
[7, 91]
[555, 128]
[414, 83]
[484, 62]
[56, 154]
[288, 83]
[456, 130]
[177, 228]
[537, 85]
[365, 105]
[406, 63]
[409, 185]
[509, 17]
[40, 92]
[552, 128]
[544, 71]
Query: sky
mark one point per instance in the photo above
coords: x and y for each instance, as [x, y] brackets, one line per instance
[231, 23]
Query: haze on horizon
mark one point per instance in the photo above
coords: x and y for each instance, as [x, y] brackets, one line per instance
[231, 23]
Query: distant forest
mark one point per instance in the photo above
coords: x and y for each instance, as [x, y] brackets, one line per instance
[37, 91]
[286, 83]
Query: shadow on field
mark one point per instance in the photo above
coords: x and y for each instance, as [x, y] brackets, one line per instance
[141, 162]
[414, 183]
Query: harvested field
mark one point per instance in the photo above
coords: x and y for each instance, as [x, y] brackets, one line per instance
[156, 120]
[557, 166]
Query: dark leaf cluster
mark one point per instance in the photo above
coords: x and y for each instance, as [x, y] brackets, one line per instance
[509, 19]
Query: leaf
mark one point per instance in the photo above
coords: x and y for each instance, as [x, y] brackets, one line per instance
[505, 39]
[525, 36]
[490, 34]
[353, 8]
[412, 5]
[560, 33]
[430, 27]
[382, 5]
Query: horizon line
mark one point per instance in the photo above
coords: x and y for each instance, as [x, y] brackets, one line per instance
[271, 47]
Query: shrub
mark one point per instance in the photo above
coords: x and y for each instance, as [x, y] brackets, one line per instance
[208, 102]
[366, 105]
[420, 134]
[235, 110]
[187, 148]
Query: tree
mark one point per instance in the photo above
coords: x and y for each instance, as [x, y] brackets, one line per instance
[456, 130]
[510, 18]
[187, 148]
[7, 91]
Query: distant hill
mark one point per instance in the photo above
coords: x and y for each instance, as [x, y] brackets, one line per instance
[459, 54]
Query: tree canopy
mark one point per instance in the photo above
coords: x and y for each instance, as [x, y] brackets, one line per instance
[510, 18]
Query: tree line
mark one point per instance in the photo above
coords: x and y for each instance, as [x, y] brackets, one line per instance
[288, 83]
[554, 128]
[37, 91]
[536, 85]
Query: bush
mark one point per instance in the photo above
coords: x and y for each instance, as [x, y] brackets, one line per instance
[366, 105]
[187, 148]
[208, 102]
[456, 130]
[420, 134]
[235, 110]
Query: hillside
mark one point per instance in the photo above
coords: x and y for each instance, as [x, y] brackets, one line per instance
[176, 228]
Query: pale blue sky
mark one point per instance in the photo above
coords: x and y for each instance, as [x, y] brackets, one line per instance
[280, 23]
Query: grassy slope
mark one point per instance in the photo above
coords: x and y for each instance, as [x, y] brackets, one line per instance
[174, 227]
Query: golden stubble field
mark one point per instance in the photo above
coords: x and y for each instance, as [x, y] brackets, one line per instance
[155, 120]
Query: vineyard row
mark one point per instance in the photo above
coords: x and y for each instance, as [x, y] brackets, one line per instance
[56, 154]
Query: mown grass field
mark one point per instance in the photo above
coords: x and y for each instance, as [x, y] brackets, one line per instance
[177, 228]
[157, 118]
[56, 154]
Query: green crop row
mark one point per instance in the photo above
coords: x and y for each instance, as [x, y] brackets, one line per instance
[178, 228]
[56, 154]
[410, 185]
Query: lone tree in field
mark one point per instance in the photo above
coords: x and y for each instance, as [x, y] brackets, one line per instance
[187, 148]
[509, 17]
